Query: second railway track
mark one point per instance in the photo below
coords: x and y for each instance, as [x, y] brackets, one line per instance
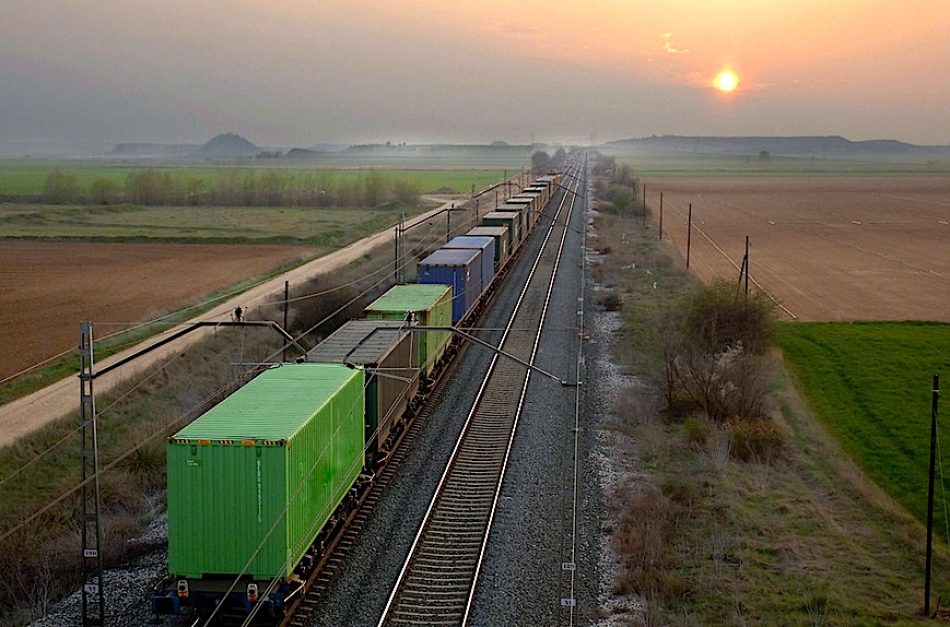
[438, 579]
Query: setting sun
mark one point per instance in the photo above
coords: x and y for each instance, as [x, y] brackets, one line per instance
[726, 81]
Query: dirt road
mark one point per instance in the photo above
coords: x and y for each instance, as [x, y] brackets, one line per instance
[27, 414]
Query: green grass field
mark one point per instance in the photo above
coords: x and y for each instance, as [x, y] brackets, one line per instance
[737, 165]
[254, 225]
[870, 384]
[26, 176]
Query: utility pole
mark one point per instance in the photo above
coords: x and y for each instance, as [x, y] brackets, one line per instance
[644, 205]
[93, 597]
[689, 233]
[747, 266]
[661, 217]
[448, 222]
[496, 198]
[283, 356]
[930, 492]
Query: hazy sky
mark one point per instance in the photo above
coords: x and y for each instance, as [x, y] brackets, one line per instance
[298, 72]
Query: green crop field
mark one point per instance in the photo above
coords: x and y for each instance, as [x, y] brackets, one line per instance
[256, 225]
[26, 176]
[870, 383]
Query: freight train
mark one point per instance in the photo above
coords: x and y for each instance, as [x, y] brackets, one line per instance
[257, 484]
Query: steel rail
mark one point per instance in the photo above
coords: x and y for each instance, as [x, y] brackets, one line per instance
[436, 583]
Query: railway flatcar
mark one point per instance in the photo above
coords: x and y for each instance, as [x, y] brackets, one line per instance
[388, 352]
[431, 305]
[511, 221]
[253, 481]
[485, 245]
[460, 269]
[500, 235]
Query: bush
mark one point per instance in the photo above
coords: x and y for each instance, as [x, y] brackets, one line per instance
[760, 440]
[610, 301]
[719, 318]
[61, 188]
[713, 348]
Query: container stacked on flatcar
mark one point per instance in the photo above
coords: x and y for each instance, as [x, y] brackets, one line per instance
[459, 268]
[500, 235]
[486, 247]
[388, 352]
[511, 220]
[252, 482]
[430, 305]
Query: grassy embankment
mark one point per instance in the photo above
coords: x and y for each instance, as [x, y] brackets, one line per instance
[705, 538]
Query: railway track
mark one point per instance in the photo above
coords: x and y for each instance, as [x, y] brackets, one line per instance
[301, 610]
[438, 579]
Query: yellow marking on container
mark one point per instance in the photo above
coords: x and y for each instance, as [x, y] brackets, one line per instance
[204, 442]
[248, 442]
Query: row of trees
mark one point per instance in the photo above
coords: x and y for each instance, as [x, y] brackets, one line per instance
[236, 188]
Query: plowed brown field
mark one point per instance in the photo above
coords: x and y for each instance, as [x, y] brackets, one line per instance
[824, 248]
[47, 288]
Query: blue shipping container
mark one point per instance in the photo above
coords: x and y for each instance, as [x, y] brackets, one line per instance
[462, 270]
[486, 246]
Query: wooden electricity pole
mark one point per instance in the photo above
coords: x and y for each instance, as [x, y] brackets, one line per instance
[689, 233]
[930, 492]
[661, 216]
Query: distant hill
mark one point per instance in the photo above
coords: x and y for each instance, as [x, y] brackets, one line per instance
[805, 146]
[227, 145]
[300, 153]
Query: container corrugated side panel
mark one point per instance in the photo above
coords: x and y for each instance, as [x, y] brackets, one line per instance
[436, 341]
[219, 509]
[456, 276]
[324, 460]
[395, 389]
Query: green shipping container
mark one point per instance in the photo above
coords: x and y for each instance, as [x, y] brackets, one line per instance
[432, 305]
[264, 468]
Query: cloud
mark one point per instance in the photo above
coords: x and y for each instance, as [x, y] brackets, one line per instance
[670, 48]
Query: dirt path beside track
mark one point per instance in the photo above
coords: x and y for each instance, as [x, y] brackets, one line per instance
[26, 414]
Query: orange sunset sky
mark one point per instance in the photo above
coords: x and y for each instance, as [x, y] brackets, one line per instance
[296, 72]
